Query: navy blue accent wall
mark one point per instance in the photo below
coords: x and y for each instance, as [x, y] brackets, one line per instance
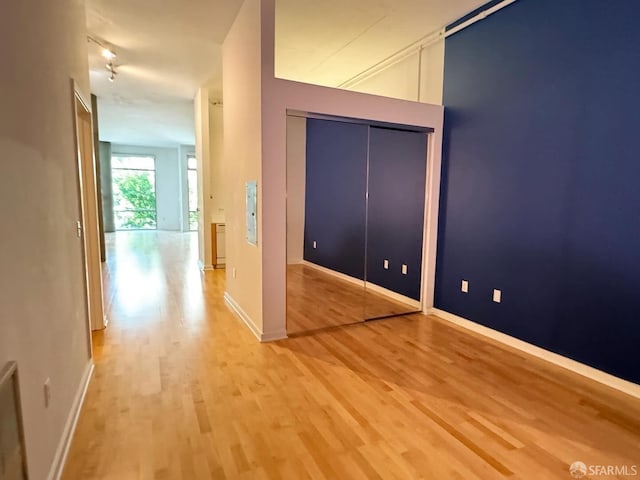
[541, 178]
[395, 215]
[335, 202]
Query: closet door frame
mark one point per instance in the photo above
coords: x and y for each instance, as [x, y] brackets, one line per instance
[431, 200]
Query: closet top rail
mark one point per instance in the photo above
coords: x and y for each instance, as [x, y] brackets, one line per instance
[362, 121]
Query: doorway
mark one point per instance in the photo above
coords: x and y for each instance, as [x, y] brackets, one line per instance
[192, 186]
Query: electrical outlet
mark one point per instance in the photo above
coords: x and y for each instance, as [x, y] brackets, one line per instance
[405, 269]
[47, 392]
[314, 244]
[386, 264]
[233, 272]
[465, 286]
[497, 295]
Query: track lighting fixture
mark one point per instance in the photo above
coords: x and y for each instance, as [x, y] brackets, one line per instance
[107, 53]
[112, 71]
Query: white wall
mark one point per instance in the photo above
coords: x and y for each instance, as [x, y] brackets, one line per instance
[417, 77]
[203, 156]
[168, 183]
[209, 154]
[296, 185]
[216, 176]
[432, 74]
[399, 80]
[242, 98]
[43, 318]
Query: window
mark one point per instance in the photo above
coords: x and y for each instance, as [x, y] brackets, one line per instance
[192, 183]
[134, 192]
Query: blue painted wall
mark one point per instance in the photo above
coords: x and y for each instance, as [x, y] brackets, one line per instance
[335, 203]
[395, 214]
[541, 178]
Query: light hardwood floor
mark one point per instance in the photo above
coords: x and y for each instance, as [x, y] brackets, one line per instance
[317, 300]
[182, 390]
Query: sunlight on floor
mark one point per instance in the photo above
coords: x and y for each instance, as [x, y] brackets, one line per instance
[141, 271]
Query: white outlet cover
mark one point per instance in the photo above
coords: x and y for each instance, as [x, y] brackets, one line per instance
[314, 244]
[497, 295]
[386, 264]
[465, 286]
[404, 269]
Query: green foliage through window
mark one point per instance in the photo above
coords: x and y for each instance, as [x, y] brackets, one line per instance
[134, 197]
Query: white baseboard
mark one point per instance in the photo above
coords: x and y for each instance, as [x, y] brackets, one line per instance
[394, 296]
[203, 267]
[248, 321]
[70, 426]
[333, 273]
[372, 286]
[273, 336]
[591, 373]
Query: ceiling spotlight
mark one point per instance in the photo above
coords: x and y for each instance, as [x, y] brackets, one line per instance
[112, 71]
[108, 53]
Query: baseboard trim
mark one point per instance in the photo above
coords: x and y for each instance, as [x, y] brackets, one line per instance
[60, 458]
[574, 366]
[248, 321]
[333, 273]
[398, 297]
[372, 286]
[203, 267]
[274, 336]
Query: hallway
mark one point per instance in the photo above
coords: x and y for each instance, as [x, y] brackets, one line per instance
[182, 390]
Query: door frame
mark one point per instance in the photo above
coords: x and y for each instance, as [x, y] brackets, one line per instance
[88, 226]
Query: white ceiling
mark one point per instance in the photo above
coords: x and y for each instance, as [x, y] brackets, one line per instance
[167, 50]
[330, 41]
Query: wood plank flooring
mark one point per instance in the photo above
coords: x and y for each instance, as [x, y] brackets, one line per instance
[317, 300]
[182, 390]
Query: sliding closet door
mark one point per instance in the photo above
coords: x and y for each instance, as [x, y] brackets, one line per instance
[395, 221]
[335, 204]
[325, 287]
[355, 219]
